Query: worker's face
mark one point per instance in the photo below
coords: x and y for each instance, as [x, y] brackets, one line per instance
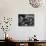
[21, 18]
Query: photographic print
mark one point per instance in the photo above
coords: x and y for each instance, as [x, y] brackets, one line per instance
[25, 19]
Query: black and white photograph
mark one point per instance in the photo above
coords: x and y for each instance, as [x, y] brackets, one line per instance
[25, 19]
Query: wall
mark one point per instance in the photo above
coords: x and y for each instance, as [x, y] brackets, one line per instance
[11, 8]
